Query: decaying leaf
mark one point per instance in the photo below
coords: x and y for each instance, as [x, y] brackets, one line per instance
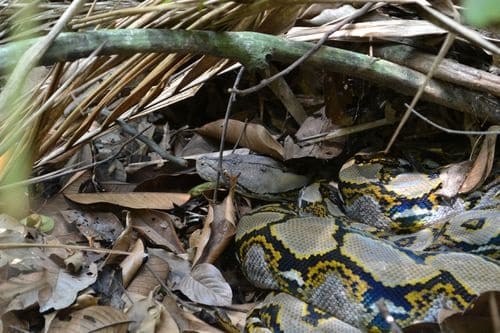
[318, 123]
[253, 136]
[452, 177]
[26, 259]
[206, 285]
[144, 312]
[147, 277]
[482, 316]
[179, 265]
[22, 291]
[98, 226]
[92, 319]
[158, 228]
[133, 200]
[483, 164]
[218, 230]
[65, 287]
[131, 264]
[187, 322]
[52, 288]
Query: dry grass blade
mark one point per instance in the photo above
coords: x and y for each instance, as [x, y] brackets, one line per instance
[113, 75]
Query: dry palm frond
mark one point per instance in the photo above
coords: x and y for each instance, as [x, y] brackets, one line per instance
[152, 79]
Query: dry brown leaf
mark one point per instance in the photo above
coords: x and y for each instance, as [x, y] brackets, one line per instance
[104, 319]
[158, 228]
[200, 238]
[255, 137]
[144, 312]
[478, 318]
[364, 30]
[178, 264]
[96, 226]
[9, 322]
[133, 200]
[27, 259]
[218, 230]
[22, 291]
[147, 278]
[186, 321]
[317, 123]
[74, 263]
[65, 287]
[131, 264]
[206, 285]
[51, 289]
[452, 177]
[122, 243]
[483, 164]
[167, 323]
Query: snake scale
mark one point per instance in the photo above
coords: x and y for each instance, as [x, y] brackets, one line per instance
[400, 244]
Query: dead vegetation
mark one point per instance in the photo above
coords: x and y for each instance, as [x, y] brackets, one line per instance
[97, 146]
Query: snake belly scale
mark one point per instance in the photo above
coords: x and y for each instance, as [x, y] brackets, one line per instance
[330, 272]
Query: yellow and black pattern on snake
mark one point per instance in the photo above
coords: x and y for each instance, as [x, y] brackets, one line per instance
[474, 231]
[344, 271]
[340, 268]
[387, 192]
[278, 310]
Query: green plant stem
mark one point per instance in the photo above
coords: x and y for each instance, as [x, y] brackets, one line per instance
[254, 50]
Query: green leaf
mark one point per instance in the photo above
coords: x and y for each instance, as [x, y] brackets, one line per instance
[482, 12]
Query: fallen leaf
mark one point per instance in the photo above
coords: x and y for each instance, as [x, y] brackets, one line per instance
[65, 287]
[218, 230]
[186, 321]
[100, 226]
[22, 291]
[452, 177]
[158, 228]
[178, 264]
[27, 259]
[477, 318]
[483, 164]
[147, 278]
[206, 285]
[144, 312]
[131, 264]
[103, 319]
[253, 136]
[122, 242]
[317, 123]
[133, 200]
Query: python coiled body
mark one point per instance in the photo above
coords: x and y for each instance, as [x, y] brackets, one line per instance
[334, 271]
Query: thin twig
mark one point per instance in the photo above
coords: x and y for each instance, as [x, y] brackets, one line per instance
[345, 131]
[449, 130]
[147, 141]
[232, 98]
[448, 42]
[384, 311]
[356, 14]
[7, 246]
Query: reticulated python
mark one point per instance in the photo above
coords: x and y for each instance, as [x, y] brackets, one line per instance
[332, 271]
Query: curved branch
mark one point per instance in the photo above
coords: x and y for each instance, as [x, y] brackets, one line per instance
[254, 50]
